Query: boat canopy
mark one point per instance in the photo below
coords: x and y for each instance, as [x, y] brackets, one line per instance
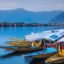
[51, 34]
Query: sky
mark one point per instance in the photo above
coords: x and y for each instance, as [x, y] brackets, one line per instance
[32, 5]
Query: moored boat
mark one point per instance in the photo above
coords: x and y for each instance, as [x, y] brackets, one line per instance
[22, 49]
[17, 42]
[45, 53]
[48, 51]
[48, 36]
[59, 56]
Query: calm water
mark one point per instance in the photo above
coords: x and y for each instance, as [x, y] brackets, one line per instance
[10, 57]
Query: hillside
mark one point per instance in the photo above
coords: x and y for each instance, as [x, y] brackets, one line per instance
[21, 15]
[58, 19]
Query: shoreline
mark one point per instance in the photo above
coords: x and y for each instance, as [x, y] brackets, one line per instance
[28, 24]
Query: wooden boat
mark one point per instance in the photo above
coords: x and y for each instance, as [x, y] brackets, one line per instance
[45, 53]
[22, 49]
[55, 59]
[58, 57]
[23, 43]
[42, 55]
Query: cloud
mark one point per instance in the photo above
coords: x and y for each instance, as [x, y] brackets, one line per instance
[33, 5]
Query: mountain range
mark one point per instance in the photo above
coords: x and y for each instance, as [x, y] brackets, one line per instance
[58, 19]
[21, 15]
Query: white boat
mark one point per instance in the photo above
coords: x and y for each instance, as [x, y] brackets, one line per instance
[51, 34]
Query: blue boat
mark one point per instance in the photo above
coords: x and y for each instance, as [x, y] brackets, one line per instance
[42, 54]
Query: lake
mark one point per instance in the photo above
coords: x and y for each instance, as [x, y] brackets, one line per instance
[11, 57]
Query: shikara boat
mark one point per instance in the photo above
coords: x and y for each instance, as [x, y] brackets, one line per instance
[55, 59]
[58, 57]
[47, 36]
[48, 51]
[45, 53]
[26, 46]
[17, 42]
[22, 49]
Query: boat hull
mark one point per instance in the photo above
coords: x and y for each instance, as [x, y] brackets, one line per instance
[19, 43]
[55, 59]
[43, 55]
[23, 49]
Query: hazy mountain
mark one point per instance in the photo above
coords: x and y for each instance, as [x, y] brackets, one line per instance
[21, 15]
[58, 19]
